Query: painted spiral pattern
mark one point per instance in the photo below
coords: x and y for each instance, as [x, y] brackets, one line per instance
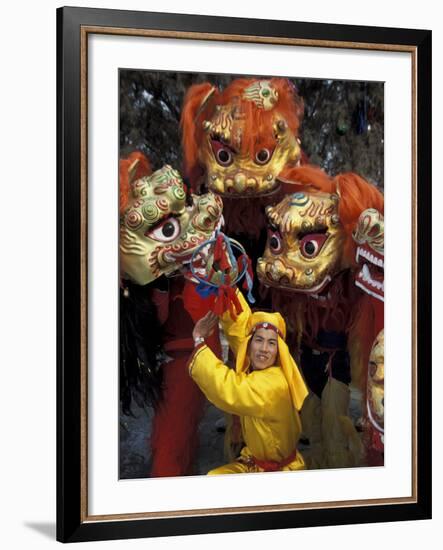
[150, 213]
[178, 193]
[163, 204]
[299, 199]
[134, 220]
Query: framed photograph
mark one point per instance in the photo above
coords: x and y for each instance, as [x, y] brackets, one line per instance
[221, 274]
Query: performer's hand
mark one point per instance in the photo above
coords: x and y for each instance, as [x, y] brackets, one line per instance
[204, 327]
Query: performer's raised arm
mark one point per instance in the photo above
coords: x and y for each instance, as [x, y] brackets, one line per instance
[235, 330]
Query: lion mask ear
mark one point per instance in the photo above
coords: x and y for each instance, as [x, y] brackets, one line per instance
[132, 171]
[131, 168]
[198, 100]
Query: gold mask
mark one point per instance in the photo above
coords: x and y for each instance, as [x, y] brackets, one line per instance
[305, 240]
[370, 238]
[376, 380]
[231, 169]
[158, 231]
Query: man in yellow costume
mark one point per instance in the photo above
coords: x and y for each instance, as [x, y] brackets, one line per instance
[266, 389]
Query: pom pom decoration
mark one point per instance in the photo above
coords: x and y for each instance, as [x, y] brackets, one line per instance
[218, 265]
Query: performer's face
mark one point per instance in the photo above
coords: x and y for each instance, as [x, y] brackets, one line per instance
[263, 349]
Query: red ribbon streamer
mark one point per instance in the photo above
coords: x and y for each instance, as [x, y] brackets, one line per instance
[220, 256]
[227, 301]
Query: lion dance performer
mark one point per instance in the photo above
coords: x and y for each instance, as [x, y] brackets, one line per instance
[309, 264]
[266, 389]
[160, 227]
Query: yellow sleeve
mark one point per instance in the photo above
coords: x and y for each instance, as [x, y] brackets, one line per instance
[235, 330]
[236, 393]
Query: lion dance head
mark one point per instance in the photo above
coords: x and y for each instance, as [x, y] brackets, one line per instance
[239, 140]
[310, 236]
[160, 226]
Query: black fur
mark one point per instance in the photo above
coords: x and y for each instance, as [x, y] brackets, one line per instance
[141, 351]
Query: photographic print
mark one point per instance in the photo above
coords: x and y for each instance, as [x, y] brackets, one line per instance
[252, 263]
[221, 274]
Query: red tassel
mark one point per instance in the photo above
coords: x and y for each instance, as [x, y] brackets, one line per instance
[240, 264]
[220, 255]
[249, 270]
[251, 273]
[217, 308]
[227, 301]
[224, 262]
[218, 248]
[235, 302]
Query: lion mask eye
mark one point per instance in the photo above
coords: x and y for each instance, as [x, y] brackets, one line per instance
[311, 244]
[275, 241]
[263, 156]
[167, 231]
[222, 153]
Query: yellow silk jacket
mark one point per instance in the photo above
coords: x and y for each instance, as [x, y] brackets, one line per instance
[270, 423]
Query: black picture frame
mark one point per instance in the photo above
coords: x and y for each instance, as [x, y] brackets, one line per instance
[73, 523]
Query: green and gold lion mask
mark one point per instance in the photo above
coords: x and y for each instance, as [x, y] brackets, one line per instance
[160, 226]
